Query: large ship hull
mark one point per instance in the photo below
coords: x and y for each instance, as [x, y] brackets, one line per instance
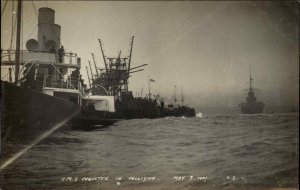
[26, 114]
[89, 119]
[136, 108]
[178, 112]
[252, 108]
[132, 108]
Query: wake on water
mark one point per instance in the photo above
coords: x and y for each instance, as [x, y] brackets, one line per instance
[200, 115]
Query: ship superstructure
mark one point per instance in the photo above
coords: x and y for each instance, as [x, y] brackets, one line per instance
[175, 109]
[112, 80]
[251, 106]
[46, 86]
[45, 66]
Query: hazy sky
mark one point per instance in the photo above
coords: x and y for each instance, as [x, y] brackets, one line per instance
[205, 47]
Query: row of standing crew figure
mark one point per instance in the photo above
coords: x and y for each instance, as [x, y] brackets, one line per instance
[60, 53]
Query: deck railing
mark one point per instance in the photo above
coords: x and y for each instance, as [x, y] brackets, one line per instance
[63, 83]
[8, 57]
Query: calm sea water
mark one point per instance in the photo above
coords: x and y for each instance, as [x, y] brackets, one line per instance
[228, 151]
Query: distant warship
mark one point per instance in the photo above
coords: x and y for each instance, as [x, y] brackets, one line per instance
[251, 106]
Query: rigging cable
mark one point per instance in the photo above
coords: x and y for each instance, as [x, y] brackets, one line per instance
[46, 3]
[30, 34]
[36, 16]
[3, 8]
[12, 25]
[34, 8]
[22, 25]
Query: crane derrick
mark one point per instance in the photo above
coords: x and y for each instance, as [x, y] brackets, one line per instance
[117, 70]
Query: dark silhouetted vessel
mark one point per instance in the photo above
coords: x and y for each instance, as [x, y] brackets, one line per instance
[47, 88]
[176, 110]
[112, 81]
[252, 106]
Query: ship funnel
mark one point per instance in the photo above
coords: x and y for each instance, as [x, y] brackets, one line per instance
[46, 15]
[48, 31]
[32, 45]
[50, 44]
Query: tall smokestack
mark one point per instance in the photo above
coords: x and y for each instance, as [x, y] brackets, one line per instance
[48, 31]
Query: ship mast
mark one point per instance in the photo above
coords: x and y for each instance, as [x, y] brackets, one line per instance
[17, 58]
[87, 72]
[118, 70]
[95, 64]
[181, 97]
[175, 99]
[149, 87]
[129, 62]
[250, 80]
[105, 63]
[91, 71]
